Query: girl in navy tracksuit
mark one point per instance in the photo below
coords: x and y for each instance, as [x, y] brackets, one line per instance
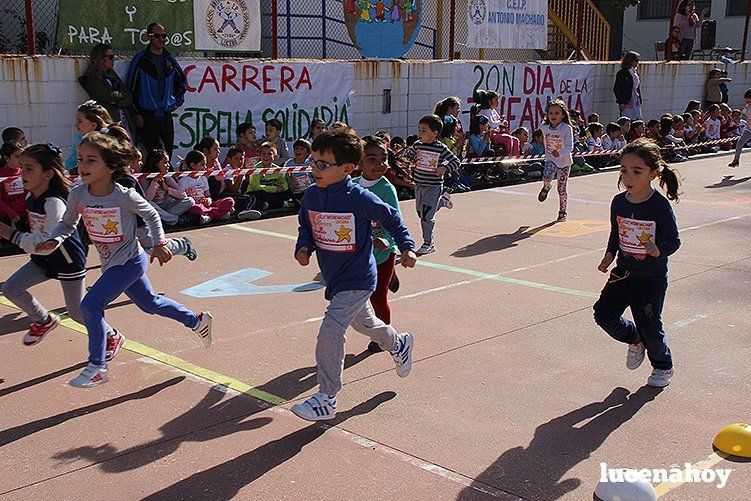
[335, 219]
[643, 234]
[43, 177]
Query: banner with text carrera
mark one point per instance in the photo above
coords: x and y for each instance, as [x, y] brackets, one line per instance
[507, 24]
[223, 94]
[122, 23]
[525, 88]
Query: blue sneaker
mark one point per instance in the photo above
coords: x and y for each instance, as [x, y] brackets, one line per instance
[319, 407]
[403, 354]
[190, 251]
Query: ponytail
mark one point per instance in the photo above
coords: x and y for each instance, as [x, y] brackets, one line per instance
[669, 182]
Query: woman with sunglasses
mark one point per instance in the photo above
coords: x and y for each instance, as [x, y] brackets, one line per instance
[104, 85]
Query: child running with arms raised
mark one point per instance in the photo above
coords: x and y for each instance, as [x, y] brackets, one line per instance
[110, 214]
[559, 143]
[643, 233]
[335, 222]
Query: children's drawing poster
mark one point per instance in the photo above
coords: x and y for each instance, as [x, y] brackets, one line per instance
[383, 28]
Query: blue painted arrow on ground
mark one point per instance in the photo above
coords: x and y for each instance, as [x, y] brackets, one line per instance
[240, 283]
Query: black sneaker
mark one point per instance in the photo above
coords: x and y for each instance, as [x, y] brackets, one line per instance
[394, 284]
[373, 347]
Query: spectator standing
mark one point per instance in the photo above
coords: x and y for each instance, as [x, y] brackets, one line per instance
[626, 88]
[688, 22]
[157, 83]
[103, 84]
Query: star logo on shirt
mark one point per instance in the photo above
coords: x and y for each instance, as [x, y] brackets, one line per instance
[344, 234]
[110, 227]
[644, 237]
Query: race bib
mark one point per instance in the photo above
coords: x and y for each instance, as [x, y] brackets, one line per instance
[14, 187]
[553, 143]
[300, 182]
[427, 161]
[36, 222]
[633, 233]
[333, 231]
[712, 130]
[195, 193]
[104, 225]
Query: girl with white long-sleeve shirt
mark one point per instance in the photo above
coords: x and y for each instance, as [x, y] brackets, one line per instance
[559, 143]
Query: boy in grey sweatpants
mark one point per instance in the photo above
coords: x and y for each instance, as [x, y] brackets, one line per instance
[432, 161]
[335, 220]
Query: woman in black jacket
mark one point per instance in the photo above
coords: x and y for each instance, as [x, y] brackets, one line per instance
[104, 85]
[626, 88]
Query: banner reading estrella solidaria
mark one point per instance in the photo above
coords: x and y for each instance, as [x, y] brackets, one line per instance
[223, 94]
[215, 25]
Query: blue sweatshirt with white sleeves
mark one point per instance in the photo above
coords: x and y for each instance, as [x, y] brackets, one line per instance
[336, 223]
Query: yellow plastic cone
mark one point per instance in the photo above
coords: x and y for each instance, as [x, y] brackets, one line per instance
[735, 439]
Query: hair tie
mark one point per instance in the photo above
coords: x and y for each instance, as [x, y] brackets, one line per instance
[448, 119]
[54, 149]
[104, 130]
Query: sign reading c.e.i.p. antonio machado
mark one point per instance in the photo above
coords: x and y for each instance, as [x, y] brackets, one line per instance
[215, 25]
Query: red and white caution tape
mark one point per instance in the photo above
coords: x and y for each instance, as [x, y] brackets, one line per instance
[531, 158]
[228, 173]
[225, 173]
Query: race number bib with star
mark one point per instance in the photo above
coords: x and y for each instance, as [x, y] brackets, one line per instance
[333, 231]
[553, 143]
[427, 161]
[633, 234]
[104, 225]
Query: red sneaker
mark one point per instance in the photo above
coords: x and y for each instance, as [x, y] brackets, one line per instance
[38, 331]
[114, 342]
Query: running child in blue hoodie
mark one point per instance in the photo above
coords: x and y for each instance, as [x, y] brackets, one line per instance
[336, 222]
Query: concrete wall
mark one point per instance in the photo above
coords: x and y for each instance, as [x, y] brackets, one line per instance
[40, 94]
[641, 35]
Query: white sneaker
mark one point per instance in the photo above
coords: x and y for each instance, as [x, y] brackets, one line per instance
[204, 220]
[249, 215]
[425, 249]
[92, 375]
[403, 354]
[203, 328]
[660, 378]
[319, 407]
[635, 355]
[446, 200]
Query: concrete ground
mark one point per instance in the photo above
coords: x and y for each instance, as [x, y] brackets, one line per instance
[515, 392]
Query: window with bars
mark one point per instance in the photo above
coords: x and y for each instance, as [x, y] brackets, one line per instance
[736, 8]
[661, 9]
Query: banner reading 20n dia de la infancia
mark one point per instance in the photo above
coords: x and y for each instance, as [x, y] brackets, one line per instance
[526, 88]
[223, 94]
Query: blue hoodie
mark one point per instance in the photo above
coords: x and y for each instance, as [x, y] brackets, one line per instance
[336, 221]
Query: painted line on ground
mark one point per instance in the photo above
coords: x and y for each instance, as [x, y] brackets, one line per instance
[506, 191]
[450, 268]
[710, 462]
[209, 376]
